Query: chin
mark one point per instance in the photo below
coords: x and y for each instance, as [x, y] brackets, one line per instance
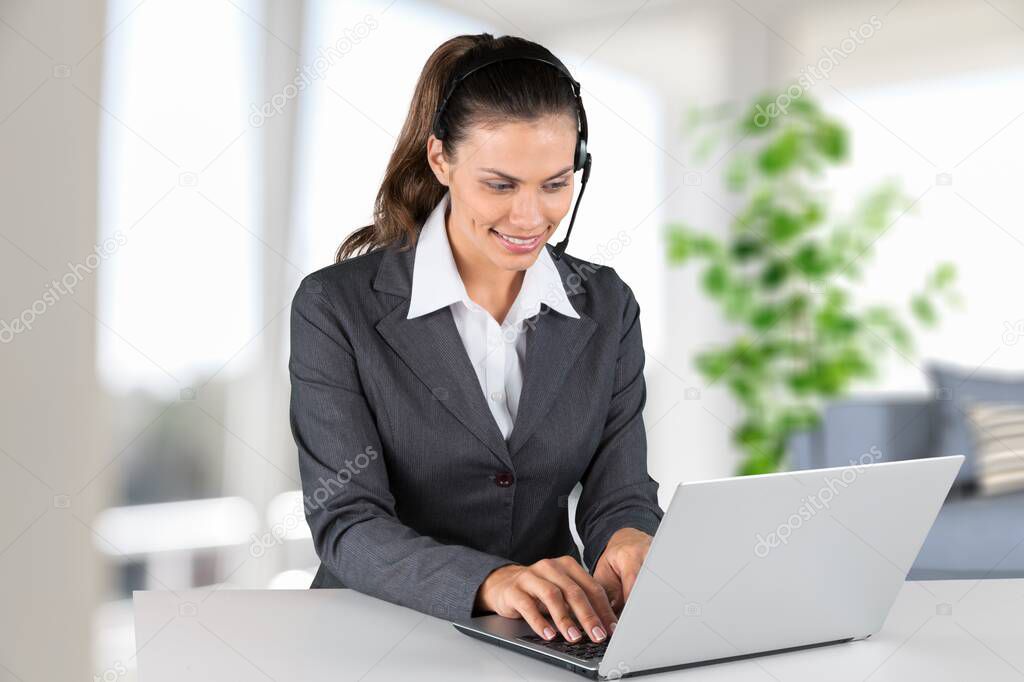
[510, 261]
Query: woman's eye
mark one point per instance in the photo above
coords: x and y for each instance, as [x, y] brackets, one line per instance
[504, 186]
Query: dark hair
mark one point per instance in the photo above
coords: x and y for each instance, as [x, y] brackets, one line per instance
[514, 90]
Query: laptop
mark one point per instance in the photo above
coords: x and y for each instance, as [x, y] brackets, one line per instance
[758, 565]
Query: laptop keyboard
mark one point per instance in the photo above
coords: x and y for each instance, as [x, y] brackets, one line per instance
[583, 649]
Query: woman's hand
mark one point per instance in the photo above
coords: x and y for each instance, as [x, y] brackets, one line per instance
[560, 588]
[619, 565]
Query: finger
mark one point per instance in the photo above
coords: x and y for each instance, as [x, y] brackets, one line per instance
[595, 592]
[577, 598]
[527, 607]
[609, 580]
[629, 576]
[551, 595]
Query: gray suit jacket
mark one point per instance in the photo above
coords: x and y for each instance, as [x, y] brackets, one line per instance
[411, 492]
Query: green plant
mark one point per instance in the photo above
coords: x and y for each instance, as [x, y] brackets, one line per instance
[786, 273]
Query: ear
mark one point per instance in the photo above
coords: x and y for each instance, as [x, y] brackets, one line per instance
[435, 157]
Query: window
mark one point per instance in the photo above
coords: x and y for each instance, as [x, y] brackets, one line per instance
[179, 179]
[953, 143]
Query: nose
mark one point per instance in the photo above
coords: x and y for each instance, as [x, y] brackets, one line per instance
[526, 213]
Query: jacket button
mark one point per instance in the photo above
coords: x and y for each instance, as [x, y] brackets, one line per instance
[503, 479]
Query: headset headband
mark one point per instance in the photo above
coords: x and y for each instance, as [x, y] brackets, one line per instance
[502, 54]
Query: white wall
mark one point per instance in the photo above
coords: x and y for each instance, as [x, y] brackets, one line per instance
[51, 417]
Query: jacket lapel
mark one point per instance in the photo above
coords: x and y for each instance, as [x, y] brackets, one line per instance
[553, 343]
[432, 348]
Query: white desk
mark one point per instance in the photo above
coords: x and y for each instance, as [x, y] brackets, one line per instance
[950, 630]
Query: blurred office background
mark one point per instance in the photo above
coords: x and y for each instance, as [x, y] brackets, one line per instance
[170, 171]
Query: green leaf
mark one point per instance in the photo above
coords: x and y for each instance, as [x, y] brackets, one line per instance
[745, 248]
[764, 318]
[758, 463]
[745, 356]
[801, 382]
[797, 305]
[827, 378]
[762, 116]
[943, 276]
[889, 327]
[851, 362]
[811, 261]
[813, 213]
[804, 106]
[679, 243]
[774, 274]
[834, 324]
[744, 390]
[737, 300]
[783, 226]
[923, 310]
[955, 300]
[798, 419]
[877, 210]
[737, 173]
[780, 154]
[684, 244]
[713, 364]
[750, 433]
[831, 141]
[715, 280]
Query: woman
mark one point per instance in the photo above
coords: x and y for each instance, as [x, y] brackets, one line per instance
[453, 383]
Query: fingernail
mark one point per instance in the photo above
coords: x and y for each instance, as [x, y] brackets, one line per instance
[612, 625]
[598, 633]
[548, 633]
[574, 633]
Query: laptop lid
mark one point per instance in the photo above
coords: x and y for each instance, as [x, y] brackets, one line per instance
[759, 563]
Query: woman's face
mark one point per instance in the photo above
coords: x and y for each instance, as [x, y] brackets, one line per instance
[510, 187]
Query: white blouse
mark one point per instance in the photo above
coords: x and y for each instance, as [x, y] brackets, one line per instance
[497, 352]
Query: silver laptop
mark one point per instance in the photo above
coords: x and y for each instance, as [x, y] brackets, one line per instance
[758, 565]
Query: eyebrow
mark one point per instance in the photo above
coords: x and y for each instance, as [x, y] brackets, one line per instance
[515, 179]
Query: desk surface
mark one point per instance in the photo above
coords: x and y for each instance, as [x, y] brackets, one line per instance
[939, 630]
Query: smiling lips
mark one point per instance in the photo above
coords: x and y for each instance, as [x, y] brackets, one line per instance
[517, 244]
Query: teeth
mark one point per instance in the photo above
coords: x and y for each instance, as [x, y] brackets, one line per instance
[516, 240]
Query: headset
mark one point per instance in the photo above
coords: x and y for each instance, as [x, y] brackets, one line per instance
[537, 53]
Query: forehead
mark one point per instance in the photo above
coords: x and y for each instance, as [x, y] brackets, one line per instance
[525, 146]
